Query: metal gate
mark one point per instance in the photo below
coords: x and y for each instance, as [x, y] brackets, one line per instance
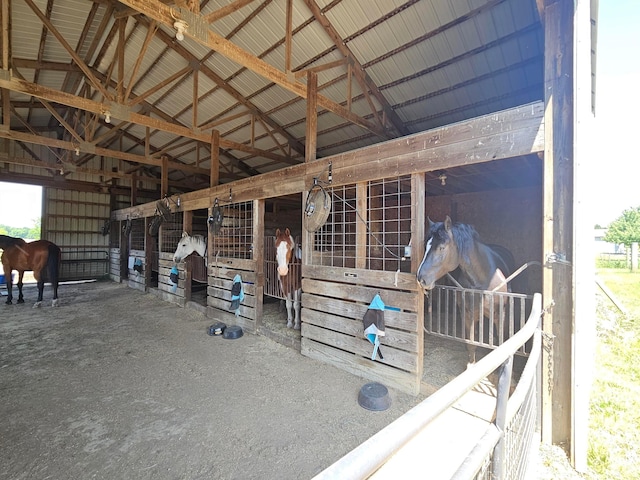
[445, 307]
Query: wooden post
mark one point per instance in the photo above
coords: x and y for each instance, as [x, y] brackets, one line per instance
[164, 180]
[361, 227]
[187, 221]
[214, 168]
[418, 240]
[312, 118]
[148, 253]
[258, 256]
[557, 378]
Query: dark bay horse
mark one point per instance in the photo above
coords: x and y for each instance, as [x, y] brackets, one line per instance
[290, 275]
[41, 256]
[457, 247]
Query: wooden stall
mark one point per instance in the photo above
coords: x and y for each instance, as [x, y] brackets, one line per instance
[360, 251]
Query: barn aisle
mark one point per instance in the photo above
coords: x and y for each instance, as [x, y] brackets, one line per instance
[118, 384]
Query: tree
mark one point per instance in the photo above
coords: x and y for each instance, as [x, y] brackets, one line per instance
[626, 228]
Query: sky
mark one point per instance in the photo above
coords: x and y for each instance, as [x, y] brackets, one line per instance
[615, 157]
[616, 160]
[29, 198]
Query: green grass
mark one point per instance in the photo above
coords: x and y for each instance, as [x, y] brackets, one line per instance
[614, 425]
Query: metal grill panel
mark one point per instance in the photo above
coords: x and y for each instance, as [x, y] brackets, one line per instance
[235, 238]
[379, 214]
[445, 314]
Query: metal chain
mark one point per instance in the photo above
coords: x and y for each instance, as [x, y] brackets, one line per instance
[547, 345]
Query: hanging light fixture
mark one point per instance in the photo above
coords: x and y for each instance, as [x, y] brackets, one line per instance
[181, 27]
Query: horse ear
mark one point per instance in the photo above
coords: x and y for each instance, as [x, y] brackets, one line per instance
[277, 232]
[185, 234]
[431, 224]
[447, 223]
[287, 232]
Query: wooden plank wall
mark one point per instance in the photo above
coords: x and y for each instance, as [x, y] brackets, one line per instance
[334, 302]
[168, 291]
[114, 264]
[221, 275]
[136, 280]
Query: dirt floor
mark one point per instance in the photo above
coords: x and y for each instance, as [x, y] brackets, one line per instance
[119, 384]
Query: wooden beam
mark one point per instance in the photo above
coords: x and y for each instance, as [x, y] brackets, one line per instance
[88, 148]
[366, 83]
[557, 378]
[311, 138]
[124, 113]
[226, 10]
[288, 36]
[83, 66]
[214, 168]
[493, 137]
[165, 14]
[164, 185]
[151, 30]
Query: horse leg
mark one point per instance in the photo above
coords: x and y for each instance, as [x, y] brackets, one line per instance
[296, 306]
[7, 278]
[40, 283]
[470, 327]
[54, 302]
[20, 296]
[289, 299]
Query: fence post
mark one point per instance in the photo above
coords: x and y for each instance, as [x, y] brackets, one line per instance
[504, 385]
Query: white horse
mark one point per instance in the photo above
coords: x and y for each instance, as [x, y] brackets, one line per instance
[291, 284]
[189, 244]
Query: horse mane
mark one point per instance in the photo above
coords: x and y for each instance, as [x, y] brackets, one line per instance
[465, 236]
[6, 241]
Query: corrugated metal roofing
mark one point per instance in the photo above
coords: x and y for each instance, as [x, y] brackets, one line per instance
[431, 62]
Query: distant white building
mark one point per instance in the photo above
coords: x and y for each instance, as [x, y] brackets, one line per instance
[606, 247]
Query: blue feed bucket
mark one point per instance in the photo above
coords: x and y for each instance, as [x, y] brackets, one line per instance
[3, 280]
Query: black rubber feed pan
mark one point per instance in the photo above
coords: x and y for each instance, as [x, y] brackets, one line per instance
[374, 396]
[233, 332]
[217, 328]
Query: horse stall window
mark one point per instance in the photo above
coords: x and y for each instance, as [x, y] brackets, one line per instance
[369, 227]
[235, 238]
[171, 231]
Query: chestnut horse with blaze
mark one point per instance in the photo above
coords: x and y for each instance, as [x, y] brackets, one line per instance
[290, 274]
[41, 256]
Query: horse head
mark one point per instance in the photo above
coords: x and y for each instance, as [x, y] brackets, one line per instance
[441, 254]
[285, 246]
[184, 249]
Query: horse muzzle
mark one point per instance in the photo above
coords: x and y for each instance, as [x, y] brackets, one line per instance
[426, 286]
[282, 271]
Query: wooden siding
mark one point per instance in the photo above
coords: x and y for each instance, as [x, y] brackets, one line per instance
[334, 302]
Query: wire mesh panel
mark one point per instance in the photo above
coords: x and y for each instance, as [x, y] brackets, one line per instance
[389, 225]
[335, 242]
[171, 231]
[235, 238]
[136, 237]
[369, 227]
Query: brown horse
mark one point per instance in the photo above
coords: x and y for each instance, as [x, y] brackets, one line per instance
[41, 256]
[457, 248]
[290, 275]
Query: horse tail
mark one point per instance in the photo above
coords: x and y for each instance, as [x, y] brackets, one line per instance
[53, 263]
